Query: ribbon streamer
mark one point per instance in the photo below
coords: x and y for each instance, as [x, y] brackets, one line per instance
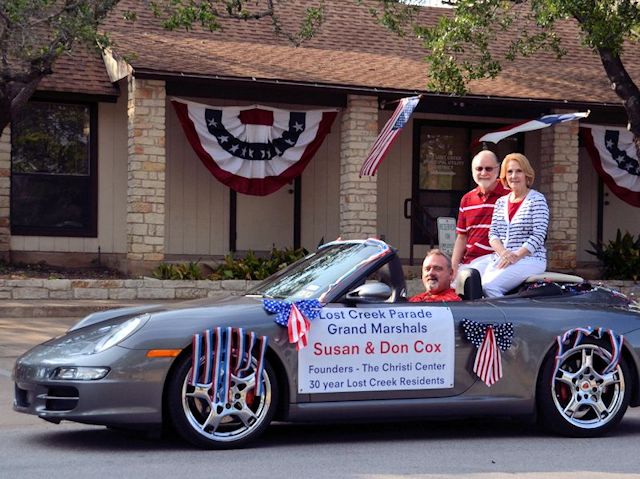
[490, 339]
[216, 350]
[296, 317]
[599, 333]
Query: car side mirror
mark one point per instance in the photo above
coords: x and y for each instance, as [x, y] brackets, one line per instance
[370, 293]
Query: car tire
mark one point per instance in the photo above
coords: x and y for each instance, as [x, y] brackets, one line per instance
[576, 399]
[238, 422]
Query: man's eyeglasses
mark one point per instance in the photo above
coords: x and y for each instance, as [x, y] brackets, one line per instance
[488, 169]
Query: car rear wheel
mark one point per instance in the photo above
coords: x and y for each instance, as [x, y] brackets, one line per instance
[578, 397]
[221, 425]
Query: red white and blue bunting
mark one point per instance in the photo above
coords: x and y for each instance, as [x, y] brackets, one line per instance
[490, 339]
[220, 353]
[296, 317]
[615, 158]
[255, 149]
[574, 337]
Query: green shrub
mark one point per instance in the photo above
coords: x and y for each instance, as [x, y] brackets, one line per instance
[190, 270]
[253, 267]
[620, 258]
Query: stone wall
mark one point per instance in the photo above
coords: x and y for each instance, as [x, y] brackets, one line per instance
[146, 175]
[119, 289]
[358, 196]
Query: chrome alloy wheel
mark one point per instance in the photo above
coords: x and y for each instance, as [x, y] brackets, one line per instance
[226, 421]
[583, 394]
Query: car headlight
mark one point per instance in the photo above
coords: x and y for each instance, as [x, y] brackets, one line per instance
[79, 373]
[100, 337]
[121, 332]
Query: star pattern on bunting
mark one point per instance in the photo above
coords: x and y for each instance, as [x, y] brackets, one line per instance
[475, 333]
[624, 161]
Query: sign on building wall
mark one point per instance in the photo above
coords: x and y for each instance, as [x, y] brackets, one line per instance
[446, 234]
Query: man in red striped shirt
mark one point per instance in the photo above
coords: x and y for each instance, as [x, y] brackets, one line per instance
[471, 249]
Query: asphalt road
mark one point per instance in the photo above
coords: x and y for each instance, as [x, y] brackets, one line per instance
[478, 449]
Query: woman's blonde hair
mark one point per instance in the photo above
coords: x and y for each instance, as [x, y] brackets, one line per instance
[522, 160]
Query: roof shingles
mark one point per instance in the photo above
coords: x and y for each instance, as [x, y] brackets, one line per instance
[350, 50]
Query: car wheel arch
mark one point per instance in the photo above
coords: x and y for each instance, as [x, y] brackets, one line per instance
[627, 360]
[626, 353]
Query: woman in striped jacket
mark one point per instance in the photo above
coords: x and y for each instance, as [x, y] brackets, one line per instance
[518, 229]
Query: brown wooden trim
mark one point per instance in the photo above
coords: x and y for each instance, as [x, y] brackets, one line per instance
[66, 97]
[297, 212]
[233, 220]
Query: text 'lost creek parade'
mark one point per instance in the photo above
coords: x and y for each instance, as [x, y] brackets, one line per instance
[376, 349]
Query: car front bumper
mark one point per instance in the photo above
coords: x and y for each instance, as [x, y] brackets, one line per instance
[130, 394]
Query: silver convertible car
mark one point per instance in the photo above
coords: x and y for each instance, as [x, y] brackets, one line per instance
[333, 337]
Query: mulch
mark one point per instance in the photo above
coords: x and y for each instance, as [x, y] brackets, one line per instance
[46, 271]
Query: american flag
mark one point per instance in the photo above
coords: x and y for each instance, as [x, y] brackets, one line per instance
[298, 328]
[388, 134]
[488, 364]
[490, 339]
[529, 125]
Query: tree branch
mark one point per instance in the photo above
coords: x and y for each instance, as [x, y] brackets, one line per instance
[623, 86]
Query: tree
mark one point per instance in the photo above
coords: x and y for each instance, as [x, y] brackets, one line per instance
[460, 45]
[35, 33]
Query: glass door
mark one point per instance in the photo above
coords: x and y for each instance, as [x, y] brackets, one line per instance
[442, 171]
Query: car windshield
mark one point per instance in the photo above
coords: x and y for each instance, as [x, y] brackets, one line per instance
[315, 275]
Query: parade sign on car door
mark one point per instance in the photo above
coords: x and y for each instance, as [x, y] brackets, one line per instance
[378, 349]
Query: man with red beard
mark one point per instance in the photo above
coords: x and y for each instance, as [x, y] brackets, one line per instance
[437, 274]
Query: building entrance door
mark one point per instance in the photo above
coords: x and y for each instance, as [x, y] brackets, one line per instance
[442, 155]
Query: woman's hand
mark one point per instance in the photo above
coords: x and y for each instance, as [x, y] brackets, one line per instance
[507, 258]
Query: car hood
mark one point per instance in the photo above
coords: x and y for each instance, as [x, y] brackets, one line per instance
[198, 306]
[174, 328]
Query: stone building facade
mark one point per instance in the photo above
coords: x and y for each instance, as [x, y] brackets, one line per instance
[156, 202]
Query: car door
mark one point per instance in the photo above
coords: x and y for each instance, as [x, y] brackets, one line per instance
[390, 351]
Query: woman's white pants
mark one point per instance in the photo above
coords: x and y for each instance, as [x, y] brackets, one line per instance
[496, 282]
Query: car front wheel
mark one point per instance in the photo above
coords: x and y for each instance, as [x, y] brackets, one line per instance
[221, 424]
[578, 397]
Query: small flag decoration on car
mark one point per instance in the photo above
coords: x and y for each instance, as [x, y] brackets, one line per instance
[220, 353]
[296, 317]
[490, 339]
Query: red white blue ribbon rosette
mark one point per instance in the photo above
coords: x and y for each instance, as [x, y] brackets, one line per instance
[296, 317]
